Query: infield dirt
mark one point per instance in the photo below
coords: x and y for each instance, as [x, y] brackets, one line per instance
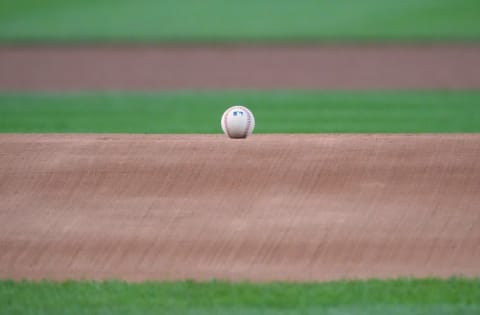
[150, 67]
[272, 207]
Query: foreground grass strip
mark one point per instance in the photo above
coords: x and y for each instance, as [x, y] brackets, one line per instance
[220, 20]
[412, 296]
[275, 112]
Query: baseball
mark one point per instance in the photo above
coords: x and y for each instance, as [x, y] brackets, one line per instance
[238, 122]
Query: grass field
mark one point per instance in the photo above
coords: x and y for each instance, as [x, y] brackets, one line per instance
[220, 20]
[275, 112]
[402, 296]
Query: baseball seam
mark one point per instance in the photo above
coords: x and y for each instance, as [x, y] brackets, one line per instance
[249, 121]
[225, 121]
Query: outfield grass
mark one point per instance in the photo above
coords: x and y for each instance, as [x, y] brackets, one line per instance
[229, 20]
[275, 112]
[402, 296]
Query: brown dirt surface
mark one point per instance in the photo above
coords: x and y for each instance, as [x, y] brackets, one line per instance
[272, 207]
[348, 66]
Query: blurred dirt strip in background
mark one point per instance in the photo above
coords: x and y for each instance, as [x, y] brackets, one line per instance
[349, 66]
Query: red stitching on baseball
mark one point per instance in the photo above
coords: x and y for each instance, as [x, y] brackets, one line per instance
[249, 120]
[225, 120]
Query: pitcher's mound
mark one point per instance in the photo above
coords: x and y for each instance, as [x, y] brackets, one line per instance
[273, 207]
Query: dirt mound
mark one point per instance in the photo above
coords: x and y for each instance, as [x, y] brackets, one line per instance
[272, 207]
[348, 66]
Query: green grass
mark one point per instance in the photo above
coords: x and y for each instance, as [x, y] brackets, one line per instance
[229, 20]
[275, 112]
[401, 296]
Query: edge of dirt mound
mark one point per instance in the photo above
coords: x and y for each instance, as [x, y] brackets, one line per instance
[272, 207]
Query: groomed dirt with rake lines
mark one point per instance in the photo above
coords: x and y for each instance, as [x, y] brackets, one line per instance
[272, 207]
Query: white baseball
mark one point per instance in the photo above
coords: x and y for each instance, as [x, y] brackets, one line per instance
[238, 122]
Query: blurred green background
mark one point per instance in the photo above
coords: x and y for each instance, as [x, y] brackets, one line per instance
[259, 21]
[275, 111]
[247, 20]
